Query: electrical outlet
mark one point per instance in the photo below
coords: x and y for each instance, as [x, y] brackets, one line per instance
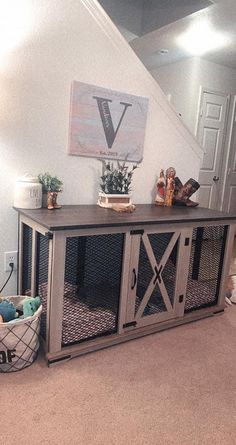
[10, 257]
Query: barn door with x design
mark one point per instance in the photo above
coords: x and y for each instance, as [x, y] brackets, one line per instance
[152, 278]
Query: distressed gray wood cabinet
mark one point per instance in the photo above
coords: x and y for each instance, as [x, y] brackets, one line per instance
[106, 277]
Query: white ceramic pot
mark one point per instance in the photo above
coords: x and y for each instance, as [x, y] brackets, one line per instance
[28, 193]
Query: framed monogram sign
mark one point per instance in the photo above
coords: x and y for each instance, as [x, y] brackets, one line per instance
[106, 123]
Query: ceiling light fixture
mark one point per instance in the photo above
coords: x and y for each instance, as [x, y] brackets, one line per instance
[163, 51]
[201, 38]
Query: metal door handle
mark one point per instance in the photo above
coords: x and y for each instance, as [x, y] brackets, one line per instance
[216, 178]
[134, 279]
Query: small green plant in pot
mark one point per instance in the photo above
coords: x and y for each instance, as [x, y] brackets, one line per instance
[51, 186]
[115, 184]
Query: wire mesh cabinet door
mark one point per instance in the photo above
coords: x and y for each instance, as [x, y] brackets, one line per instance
[206, 263]
[93, 268]
[154, 277]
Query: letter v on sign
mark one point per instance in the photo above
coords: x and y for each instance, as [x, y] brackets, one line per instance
[105, 114]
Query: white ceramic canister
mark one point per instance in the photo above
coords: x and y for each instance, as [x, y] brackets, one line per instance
[28, 193]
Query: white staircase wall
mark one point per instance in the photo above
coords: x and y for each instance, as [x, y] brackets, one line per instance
[64, 41]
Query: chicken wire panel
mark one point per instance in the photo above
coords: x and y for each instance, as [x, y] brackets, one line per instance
[92, 287]
[206, 260]
[146, 275]
[27, 260]
[42, 277]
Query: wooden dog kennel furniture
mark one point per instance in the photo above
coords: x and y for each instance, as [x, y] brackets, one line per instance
[106, 277]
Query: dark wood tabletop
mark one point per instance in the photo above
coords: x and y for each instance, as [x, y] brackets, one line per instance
[90, 216]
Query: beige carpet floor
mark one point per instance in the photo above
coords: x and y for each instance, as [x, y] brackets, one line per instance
[177, 387]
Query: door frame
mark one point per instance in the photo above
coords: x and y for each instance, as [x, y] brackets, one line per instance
[229, 155]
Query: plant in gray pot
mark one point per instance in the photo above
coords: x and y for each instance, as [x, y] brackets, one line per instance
[51, 186]
[115, 184]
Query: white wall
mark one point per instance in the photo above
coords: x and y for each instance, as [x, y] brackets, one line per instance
[183, 79]
[66, 40]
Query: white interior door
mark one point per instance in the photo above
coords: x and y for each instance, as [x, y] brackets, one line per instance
[211, 136]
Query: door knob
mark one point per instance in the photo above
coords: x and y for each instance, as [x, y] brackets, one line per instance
[216, 178]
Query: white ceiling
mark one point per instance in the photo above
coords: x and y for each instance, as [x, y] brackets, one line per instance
[221, 15]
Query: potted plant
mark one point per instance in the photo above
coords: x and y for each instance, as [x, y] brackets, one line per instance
[51, 186]
[115, 184]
